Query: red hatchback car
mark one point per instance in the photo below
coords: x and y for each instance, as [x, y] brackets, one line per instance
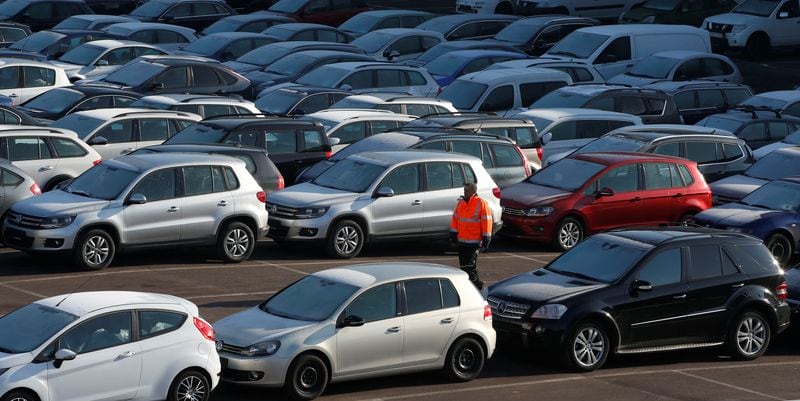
[590, 192]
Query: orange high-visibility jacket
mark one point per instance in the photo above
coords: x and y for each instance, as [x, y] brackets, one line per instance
[472, 220]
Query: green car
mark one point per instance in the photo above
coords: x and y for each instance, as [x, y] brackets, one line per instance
[685, 12]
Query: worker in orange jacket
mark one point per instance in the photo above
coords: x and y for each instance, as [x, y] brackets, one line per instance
[471, 228]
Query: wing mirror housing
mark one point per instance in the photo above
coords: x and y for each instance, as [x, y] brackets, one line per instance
[604, 192]
[384, 192]
[98, 140]
[352, 321]
[641, 286]
[334, 141]
[157, 86]
[137, 199]
[63, 355]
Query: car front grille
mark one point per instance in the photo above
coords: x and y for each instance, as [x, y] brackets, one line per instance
[23, 220]
[719, 28]
[276, 210]
[513, 211]
[508, 309]
[232, 349]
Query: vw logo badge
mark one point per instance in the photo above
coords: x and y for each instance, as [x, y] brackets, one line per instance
[501, 307]
[219, 345]
[272, 208]
[18, 218]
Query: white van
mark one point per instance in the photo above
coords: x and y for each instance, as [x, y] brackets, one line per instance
[614, 49]
[503, 89]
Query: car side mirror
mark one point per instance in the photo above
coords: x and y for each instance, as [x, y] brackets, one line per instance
[157, 85]
[384, 192]
[641, 286]
[167, 18]
[137, 199]
[391, 54]
[334, 141]
[604, 192]
[98, 140]
[783, 14]
[547, 138]
[227, 56]
[352, 321]
[102, 63]
[63, 355]
[299, 112]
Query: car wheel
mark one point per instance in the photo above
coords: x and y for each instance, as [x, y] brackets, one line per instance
[687, 218]
[19, 395]
[587, 348]
[307, 378]
[757, 46]
[504, 8]
[749, 336]
[236, 242]
[345, 240]
[569, 232]
[190, 385]
[94, 250]
[781, 247]
[465, 360]
[53, 183]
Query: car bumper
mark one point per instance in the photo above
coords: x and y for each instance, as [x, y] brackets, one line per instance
[538, 229]
[267, 371]
[537, 335]
[784, 314]
[38, 240]
[725, 41]
[298, 229]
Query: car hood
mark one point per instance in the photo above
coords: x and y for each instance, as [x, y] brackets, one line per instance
[527, 194]
[504, 42]
[97, 82]
[11, 360]
[630, 80]
[541, 286]
[766, 149]
[732, 214]
[19, 53]
[253, 325]
[309, 194]
[735, 187]
[736, 19]
[241, 67]
[57, 203]
[68, 67]
[263, 77]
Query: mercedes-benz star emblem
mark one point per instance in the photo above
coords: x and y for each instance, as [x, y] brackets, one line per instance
[501, 307]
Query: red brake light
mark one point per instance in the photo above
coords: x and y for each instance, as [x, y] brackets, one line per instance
[262, 196]
[205, 329]
[496, 192]
[281, 182]
[35, 189]
[328, 154]
[96, 162]
[540, 153]
[525, 163]
[782, 291]
[487, 312]
[439, 90]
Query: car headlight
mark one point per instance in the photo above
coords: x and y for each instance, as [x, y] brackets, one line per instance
[262, 349]
[738, 230]
[738, 28]
[649, 20]
[57, 221]
[539, 211]
[310, 212]
[550, 311]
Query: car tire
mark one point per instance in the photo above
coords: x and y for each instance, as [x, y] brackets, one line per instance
[235, 243]
[307, 378]
[54, 182]
[749, 336]
[757, 46]
[465, 360]
[687, 218]
[189, 385]
[94, 250]
[19, 395]
[586, 348]
[569, 232]
[780, 247]
[504, 8]
[345, 240]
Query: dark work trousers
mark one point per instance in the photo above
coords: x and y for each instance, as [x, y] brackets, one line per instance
[468, 262]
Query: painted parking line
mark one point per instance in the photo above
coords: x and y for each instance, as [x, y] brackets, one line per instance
[280, 266]
[22, 290]
[719, 383]
[526, 257]
[230, 295]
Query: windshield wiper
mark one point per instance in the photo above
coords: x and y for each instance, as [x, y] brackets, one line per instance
[6, 351]
[80, 192]
[566, 53]
[576, 275]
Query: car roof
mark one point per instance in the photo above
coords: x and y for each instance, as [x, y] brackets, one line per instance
[310, 90]
[173, 59]
[531, 62]
[591, 89]
[555, 114]
[391, 157]
[149, 161]
[9, 130]
[25, 62]
[787, 95]
[406, 32]
[671, 86]
[101, 17]
[257, 17]
[367, 274]
[502, 74]
[320, 53]
[116, 43]
[655, 236]
[459, 119]
[300, 26]
[235, 35]
[233, 123]
[745, 116]
[478, 53]
[81, 303]
[204, 148]
[611, 158]
[393, 12]
[793, 151]
[684, 54]
[138, 25]
[111, 113]
[639, 28]
[341, 115]
[352, 65]
[661, 130]
[293, 44]
[457, 19]
[92, 90]
[547, 19]
[186, 98]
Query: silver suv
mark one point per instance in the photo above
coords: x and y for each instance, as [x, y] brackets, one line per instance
[379, 195]
[144, 200]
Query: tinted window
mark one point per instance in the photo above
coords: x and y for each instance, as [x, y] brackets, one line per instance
[472, 148]
[669, 149]
[205, 76]
[218, 179]
[601, 103]
[618, 50]
[382, 126]
[9, 118]
[313, 104]
[753, 132]
[27, 148]
[402, 180]
[754, 258]
[663, 269]
[632, 105]
[359, 80]
[657, 176]
[210, 110]
[67, 148]
[281, 142]
[422, 296]
[684, 100]
[702, 152]
[174, 78]
[101, 332]
[532, 92]
[506, 156]
[735, 96]
[450, 297]
[117, 132]
[778, 130]
[710, 98]
[351, 132]
[436, 145]
[499, 99]
[313, 141]
[375, 304]
[154, 129]
[98, 102]
[36, 77]
[197, 180]
[10, 179]
[621, 179]
[231, 179]
[706, 262]
[732, 152]
[415, 78]
[439, 176]
[687, 177]
[9, 78]
[158, 185]
[154, 323]
[592, 128]
[391, 78]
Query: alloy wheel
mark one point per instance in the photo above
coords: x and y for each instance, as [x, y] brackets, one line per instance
[237, 242]
[347, 240]
[96, 250]
[751, 335]
[569, 235]
[191, 388]
[588, 347]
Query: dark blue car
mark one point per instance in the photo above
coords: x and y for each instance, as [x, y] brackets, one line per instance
[771, 213]
[793, 281]
[449, 66]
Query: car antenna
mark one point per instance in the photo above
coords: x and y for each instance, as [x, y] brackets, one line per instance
[88, 279]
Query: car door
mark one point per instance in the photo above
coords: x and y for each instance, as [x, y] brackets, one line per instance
[655, 317]
[787, 24]
[431, 315]
[621, 208]
[659, 198]
[153, 131]
[32, 155]
[378, 344]
[159, 219]
[615, 58]
[444, 183]
[206, 80]
[108, 364]
[404, 212]
[205, 202]
[174, 79]
[11, 83]
[114, 139]
[754, 134]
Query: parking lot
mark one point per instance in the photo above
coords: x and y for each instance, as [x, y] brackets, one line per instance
[221, 290]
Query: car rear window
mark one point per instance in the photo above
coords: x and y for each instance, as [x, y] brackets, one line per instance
[754, 258]
[506, 156]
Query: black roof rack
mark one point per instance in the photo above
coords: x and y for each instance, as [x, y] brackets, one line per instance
[245, 115]
[458, 113]
[752, 110]
[198, 97]
[149, 111]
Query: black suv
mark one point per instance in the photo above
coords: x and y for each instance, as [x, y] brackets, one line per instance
[647, 290]
[653, 106]
[535, 35]
[195, 14]
[291, 144]
[699, 99]
[41, 14]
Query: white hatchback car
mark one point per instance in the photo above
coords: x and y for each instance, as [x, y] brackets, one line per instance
[359, 321]
[22, 80]
[107, 346]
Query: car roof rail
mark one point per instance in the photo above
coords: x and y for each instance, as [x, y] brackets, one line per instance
[232, 96]
[359, 109]
[458, 113]
[752, 110]
[244, 115]
[32, 128]
[377, 63]
[151, 111]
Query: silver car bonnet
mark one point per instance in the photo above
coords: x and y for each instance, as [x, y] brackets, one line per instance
[12, 360]
[253, 325]
[56, 203]
[309, 194]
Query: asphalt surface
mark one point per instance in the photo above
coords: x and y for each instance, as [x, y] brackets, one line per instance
[513, 374]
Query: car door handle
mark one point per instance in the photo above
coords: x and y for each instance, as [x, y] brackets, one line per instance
[126, 151]
[738, 285]
[45, 168]
[416, 203]
[636, 199]
[13, 95]
[173, 209]
[222, 203]
[446, 320]
[127, 354]
[678, 195]
[395, 329]
[682, 296]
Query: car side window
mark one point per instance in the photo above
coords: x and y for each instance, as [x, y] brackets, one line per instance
[732, 151]
[713, 67]
[450, 298]
[703, 152]
[9, 78]
[39, 11]
[377, 126]
[710, 98]
[14, 34]
[592, 128]
[391, 79]
[691, 69]
[506, 156]
[564, 131]
[155, 323]
[393, 22]
[438, 175]
[313, 141]
[231, 181]
[407, 45]
[174, 78]
[685, 100]
[465, 31]
[665, 268]
[179, 11]
[791, 9]
[37, 77]
[359, 80]
[145, 51]
[351, 132]
[631, 105]
[101, 332]
[27, 148]
[154, 129]
[9, 179]
[375, 304]
[415, 78]
[500, 98]
[403, 180]
[435, 145]
[205, 76]
[735, 96]
[419, 109]
[317, 6]
[422, 296]
[197, 180]
[706, 262]
[280, 141]
[778, 130]
[618, 50]
[97, 102]
[657, 176]
[685, 175]
[531, 92]
[326, 35]
[668, 149]
[119, 56]
[313, 104]
[210, 110]
[218, 179]
[753, 132]
[67, 148]
[158, 185]
[10, 118]
[621, 179]
[601, 103]
[117, 132]
[472, 148]
[677, 178]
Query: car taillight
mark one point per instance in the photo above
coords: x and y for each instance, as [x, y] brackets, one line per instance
[35, 189]
[782, 291]
[281, 182]
[496, 192]
[328, 154]
[540, 153]
[439, 90]
[487, 312]
[205, 329]
[525, 163]
[262, 196]
[96, 162]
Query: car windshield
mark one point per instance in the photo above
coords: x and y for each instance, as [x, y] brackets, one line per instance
[776, 195]
[83, 125]
[612, 143]
[373, 41]
[102, 181]
[446, 64]
[27, 328]
[73, 23]
[561, 98]
[578, 44]
[764, 101]
[265, 55]
[37, 42]
[663, 5]
[10, 8]
[324, 76]
[54, 101]
[435, 52]
[566, 175]
[311, 299]
[383, 141]
[793, 138]
[151, 9]
[350, 103]
[82, 55]
[653, 67]
[721, 123]
[520, 32]
[133, 74]
[619, 256]
[198, 133]
[292, 64]
[761, 8]
[288, 6]
[206, 46]
[360, 24]
[774, 166]
[350, 175]
[223, 25]
[463, 94]
[279, 101]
